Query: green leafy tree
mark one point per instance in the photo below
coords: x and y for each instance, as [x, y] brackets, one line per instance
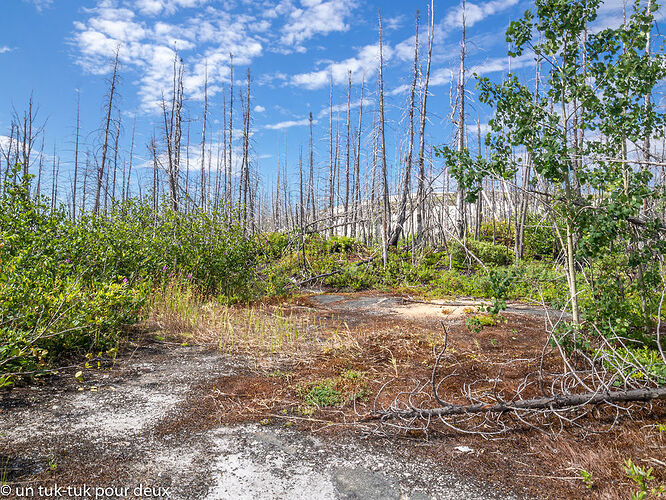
[575, 133]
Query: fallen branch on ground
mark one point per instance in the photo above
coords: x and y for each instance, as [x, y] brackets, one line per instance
[547, 403]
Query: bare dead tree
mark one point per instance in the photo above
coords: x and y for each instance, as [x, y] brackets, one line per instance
[172, 114]
[203, 139]
[9, 153]
[347, 164]
[39, 170]
[420, 190]
[86, 173]
[131, 159]
[27, 138]
[461, 222]
[331, 172]
[244, 185]
[231, 124]
[406, 182]
[312, 209]
[107, 132]
[386, 205]
[115, 160]
[76, 153]
[357, 165]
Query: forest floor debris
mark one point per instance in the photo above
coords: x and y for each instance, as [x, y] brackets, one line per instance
[174, 411]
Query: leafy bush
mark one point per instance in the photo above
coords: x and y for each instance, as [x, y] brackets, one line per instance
[489, 254]
[68, 287]
[272, 245]
[341, 244]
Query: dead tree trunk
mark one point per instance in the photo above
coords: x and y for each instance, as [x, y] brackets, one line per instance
[107, 128]
[406, 184]
[386, 208]
[131, 160]
[202, 202]
[331, 175]
[231, 125]
[347, 165]
[420, 190]
[115, 162]
[76, 154]
[461, 223]
[357, 165]
[173, 131]
[311, 197]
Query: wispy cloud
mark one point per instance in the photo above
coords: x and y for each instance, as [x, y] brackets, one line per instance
[4, 143]
[4, 48]
[289, 124]
[156, 7]
[342, 108]
[259, 109]
[40, 4]
[393, 23]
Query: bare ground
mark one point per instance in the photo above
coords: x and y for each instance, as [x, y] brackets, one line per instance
[209, 424]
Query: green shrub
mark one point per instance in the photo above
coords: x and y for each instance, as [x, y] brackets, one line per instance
[341, 244]
[489, 254]
[272, 245]
[321, 394]
[72, 287]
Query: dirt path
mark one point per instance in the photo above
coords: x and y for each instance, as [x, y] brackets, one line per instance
[109, 431]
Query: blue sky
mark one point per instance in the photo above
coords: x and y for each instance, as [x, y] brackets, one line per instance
[56, 48]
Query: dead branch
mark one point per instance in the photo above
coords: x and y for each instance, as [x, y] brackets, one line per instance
[547, 403]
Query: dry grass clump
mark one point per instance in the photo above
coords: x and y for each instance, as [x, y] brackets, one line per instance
[181, 314]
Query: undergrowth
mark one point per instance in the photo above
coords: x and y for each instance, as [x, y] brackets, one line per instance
[71, 287]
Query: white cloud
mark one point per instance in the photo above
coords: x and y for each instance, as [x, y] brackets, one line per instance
[499, 64]
[259, 109]
[475, 13]
[314, 17]
[4, 49]
[4, 143]
[366, 62]
[405, 49]
[441, 76]
[289, 124]
[204, 39]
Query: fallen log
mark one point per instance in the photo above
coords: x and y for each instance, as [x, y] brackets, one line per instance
[546, 403]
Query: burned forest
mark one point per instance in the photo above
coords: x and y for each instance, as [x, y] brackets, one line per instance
[320, 249]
